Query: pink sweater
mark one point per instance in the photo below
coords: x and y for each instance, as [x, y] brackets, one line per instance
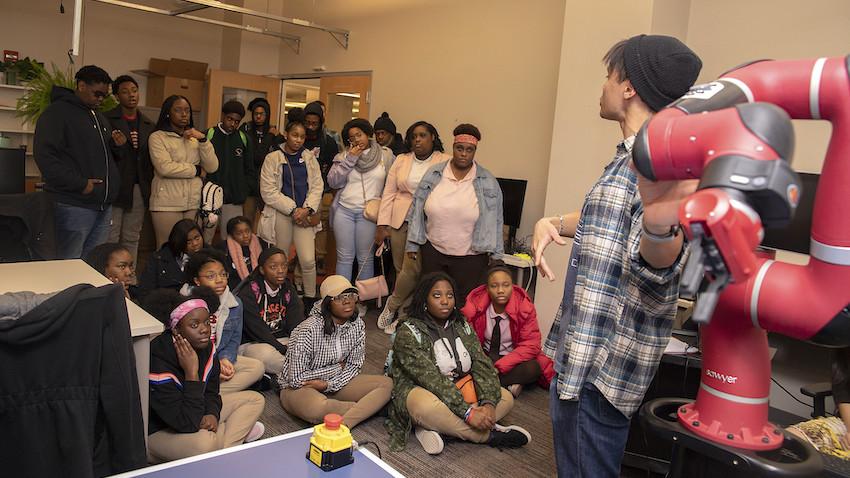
[397, 196]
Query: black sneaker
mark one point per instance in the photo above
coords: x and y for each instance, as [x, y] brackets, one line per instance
[507, 439]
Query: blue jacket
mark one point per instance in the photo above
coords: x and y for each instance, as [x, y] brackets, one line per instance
[487, 235]
[231, 333]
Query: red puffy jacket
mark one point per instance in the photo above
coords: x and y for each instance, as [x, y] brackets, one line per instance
[525, 332]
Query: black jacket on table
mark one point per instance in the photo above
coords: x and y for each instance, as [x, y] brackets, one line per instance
[176, 404]
[69, 394]
[73, 143]
[266, 318]
[161, 272]
[134, 165]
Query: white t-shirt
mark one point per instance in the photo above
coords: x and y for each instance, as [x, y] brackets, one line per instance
[351, 196]
[417, 170]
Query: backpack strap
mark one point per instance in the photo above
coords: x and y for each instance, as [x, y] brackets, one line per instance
[210, 133]
[244, 138]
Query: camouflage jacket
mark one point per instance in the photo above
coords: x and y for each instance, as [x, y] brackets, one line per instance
[414, 365]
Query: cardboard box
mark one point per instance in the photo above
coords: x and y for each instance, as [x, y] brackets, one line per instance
[176, 77]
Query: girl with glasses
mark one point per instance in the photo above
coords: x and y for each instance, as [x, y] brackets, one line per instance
[206, 268]
[321, 370]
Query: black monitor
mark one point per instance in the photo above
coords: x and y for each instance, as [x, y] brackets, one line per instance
[513, 198]
[795, 236]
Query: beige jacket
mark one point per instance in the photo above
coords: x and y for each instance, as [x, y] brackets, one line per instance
[397, 196]
[175, 186]
[271, 181]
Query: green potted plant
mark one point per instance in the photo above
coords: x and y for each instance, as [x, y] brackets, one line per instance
[10, 71]
[37, 99]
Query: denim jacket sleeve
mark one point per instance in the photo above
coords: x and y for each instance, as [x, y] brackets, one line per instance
[416, 214]
[232, 333]
[487, 235]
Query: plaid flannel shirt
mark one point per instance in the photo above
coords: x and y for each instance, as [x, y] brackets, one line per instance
[312, 355]
[620, 318]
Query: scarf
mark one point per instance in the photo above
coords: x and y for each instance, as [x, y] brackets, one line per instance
[368, 161]
[238, 259]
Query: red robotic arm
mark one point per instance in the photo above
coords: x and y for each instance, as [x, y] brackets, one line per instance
[735, 135]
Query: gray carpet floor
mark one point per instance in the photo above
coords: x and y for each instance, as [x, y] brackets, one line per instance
[459, 459]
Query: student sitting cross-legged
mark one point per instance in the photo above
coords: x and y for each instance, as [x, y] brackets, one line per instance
[188, 416]
[505, 321]
[321, 371]
[442, 382]
[271, 310]
[206, 268]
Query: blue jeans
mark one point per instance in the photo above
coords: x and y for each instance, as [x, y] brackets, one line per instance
[590, 434]
[79, 230]
[355, 235]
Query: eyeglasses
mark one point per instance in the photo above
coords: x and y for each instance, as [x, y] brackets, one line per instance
[213, 276]
[100, 94]
[346, 297]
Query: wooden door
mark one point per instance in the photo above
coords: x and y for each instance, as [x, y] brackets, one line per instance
[243, 87]
[346, 97]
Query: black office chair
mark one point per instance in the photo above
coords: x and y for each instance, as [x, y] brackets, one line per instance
[818, 392]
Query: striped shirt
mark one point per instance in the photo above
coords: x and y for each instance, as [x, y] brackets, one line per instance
[313, 355]
[612, 329]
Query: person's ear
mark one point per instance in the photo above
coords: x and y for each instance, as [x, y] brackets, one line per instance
[197, 282]
[628, 90]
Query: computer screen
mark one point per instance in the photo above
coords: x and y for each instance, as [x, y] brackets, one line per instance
[513, 198]
[795, 236]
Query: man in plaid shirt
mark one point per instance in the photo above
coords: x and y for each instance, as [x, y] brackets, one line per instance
[623, 276]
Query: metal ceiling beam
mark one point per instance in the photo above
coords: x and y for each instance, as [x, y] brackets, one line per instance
[293, 41]
[340, 35]
[187, 9]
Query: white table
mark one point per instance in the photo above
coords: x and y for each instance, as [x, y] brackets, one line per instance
[52, 276]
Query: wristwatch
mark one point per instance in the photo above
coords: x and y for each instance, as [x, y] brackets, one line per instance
[667, 237]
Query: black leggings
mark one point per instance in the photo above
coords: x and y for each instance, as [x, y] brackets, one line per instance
[468, 272]
[525, 373]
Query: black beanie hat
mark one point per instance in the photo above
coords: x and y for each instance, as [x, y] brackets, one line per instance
[233, 106]
[661, 68]
[259, 102]
[384, 123]
[267, 254]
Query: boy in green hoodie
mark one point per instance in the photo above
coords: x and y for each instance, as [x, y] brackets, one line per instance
[236, 173]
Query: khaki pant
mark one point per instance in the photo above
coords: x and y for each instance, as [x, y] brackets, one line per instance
[305, 246]
[239, 412]
[363, 397]
[271, 358]
[407, 269]
[429, 412]
[164, 221]
[248, 371]
[127, 224]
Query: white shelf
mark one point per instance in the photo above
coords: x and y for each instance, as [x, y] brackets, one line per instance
[16, 131]
[8, 108]
[14, 87]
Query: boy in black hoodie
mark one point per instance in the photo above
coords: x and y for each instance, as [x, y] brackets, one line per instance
[324, 148]
[188, 416]
[236, 174]
[264, 138]
[73, 150]
[271, 309]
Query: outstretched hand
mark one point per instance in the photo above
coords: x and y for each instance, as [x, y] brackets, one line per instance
[544, 234]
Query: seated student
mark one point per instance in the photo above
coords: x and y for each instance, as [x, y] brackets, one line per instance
[206, 268]
[187, 415]
[271, 309]
[115, 262]
[321, 370]
[830, 435]
[242, 249]
[164, 269]
[442, 381]
[505, 321]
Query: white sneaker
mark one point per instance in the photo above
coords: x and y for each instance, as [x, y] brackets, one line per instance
[430, 440]
[385, 318]
[256, 432]
[361, 310]
[505, 429]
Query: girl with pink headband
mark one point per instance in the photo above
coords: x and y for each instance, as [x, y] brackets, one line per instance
[187, 414]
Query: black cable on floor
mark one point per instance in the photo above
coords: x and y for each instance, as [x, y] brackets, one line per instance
[377, 448]
[791, 394]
